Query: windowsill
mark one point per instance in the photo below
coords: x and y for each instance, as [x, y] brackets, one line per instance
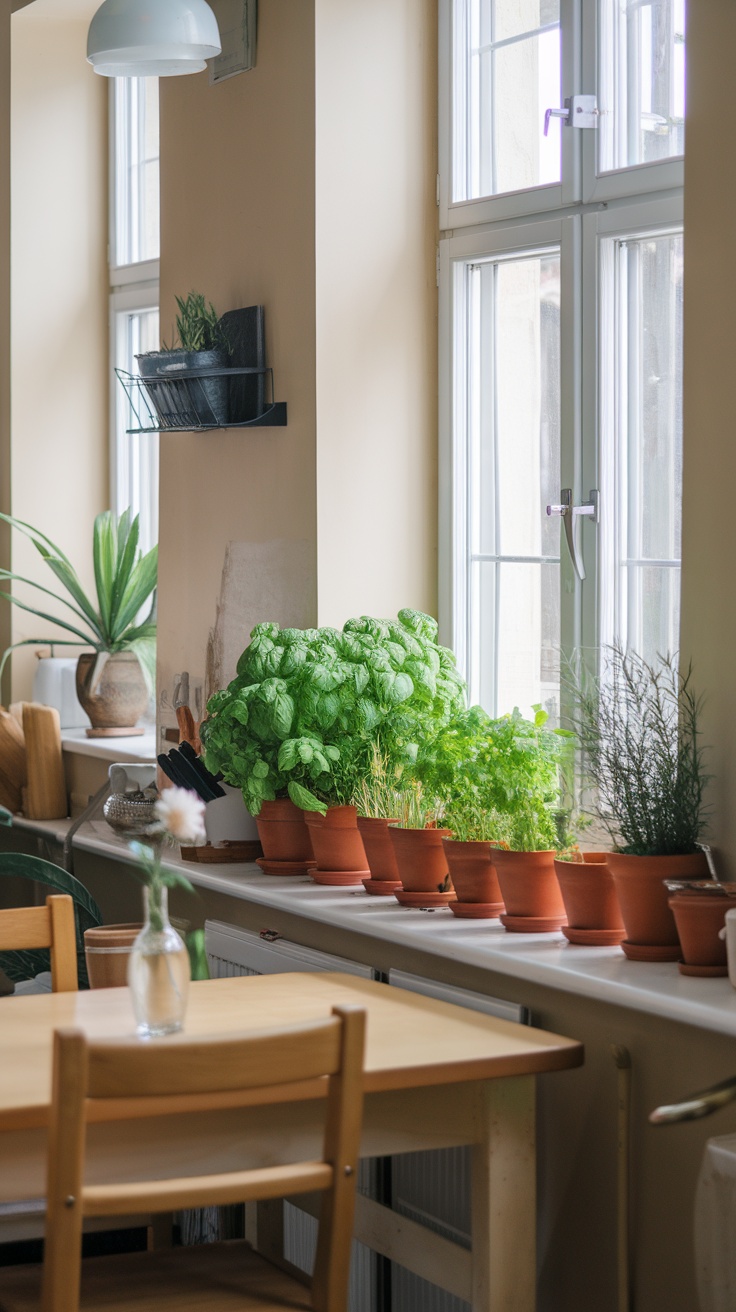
[141, 747]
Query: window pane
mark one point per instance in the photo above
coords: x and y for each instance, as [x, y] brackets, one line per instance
[136, 480]
[136, 170]
[642, 82]
[507, 73]
[647, 444]
[514, 471]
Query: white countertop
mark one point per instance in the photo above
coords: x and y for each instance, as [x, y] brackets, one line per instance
[547, 959]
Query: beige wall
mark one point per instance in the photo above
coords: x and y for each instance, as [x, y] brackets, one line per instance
[5, 637]
[237, 223]
[60, 362]
[323, 210]
[709, 472]
[376, 306]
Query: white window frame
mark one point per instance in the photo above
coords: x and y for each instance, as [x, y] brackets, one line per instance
[580, 180]
[132, 288]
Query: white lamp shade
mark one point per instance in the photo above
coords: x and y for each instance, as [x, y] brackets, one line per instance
[152, 38]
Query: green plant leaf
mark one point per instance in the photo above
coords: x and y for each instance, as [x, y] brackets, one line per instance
[141, 584]
[127, 547]
[145, 650]
[83, 638]
[302, 797]
[67, 576]
[104, 554]
[10, 577]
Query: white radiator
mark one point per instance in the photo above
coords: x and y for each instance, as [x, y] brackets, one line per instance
[434, 1188]
[232, 951]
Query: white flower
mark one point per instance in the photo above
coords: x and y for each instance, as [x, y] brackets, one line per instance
[181, 814]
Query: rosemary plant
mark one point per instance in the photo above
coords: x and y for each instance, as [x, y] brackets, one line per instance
[641, 753]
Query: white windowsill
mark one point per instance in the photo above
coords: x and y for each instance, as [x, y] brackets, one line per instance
[137, 748]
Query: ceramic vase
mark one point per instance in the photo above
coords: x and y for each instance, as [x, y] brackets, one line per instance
[384, 877]
[530, 892]
[337, 846]
[589, 895]
[425, 874]
[474, 878]
[651, 933]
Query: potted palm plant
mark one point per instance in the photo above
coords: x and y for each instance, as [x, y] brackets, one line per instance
[644, 763]
[115, 679]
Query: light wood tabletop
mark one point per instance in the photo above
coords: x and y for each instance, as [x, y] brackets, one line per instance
[412, 1041]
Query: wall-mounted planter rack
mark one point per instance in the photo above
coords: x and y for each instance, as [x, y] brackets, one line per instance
[170, 395]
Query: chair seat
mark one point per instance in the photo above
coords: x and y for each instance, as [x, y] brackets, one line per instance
[204, 1278]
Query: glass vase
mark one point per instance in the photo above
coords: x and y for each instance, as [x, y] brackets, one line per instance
[158, 971]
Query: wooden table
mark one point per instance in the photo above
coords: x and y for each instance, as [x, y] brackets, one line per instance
[436, 1076]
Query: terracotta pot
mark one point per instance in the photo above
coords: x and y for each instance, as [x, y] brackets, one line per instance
[107, 950]
[421, 859]
[283, 833]
[336, 841]
[643, 897]
[589, 893]
[529, 885]
[698, 921]
[119, 697]
[379, 849]
[473, 872]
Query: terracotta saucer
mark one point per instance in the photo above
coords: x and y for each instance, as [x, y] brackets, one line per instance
[532, 924]
[285, 867]
[411, 898]
[338, 878]
[706, 972]
[476, 910]
[594, 938]
[381, 887]
[651, 951]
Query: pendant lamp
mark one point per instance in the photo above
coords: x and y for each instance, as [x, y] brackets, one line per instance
[152, 38]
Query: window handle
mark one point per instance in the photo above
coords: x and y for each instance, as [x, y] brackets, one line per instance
[570, 515]
[554, 113]
[579, 111]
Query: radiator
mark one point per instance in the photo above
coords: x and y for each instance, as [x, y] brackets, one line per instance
[434, 1188]
[232, 951]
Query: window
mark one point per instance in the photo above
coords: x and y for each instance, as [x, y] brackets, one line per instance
[134, 297]
[561, 335]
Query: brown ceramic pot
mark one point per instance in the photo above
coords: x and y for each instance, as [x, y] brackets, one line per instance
[283, 833]
[379, 849]
[529, 885]
[120, 697]
[421, 859]
[589, 893]
[473, 873]
[643, 897]
[336, 842]
[107, 951]
[698, 921]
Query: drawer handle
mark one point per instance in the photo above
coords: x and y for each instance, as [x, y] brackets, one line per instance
[697, 1105]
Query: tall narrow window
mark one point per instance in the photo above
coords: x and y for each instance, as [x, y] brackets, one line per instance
[134, 272]
[514, 471]
[561, 335]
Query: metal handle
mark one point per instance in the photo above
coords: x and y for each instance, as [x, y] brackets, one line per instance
[697, 1105]
[554, 113]
[570, 514]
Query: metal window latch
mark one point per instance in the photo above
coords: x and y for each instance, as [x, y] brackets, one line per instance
[570, 515]
[579, 112]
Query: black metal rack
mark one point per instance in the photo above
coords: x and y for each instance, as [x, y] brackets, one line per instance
[175, 399]
[180, 404]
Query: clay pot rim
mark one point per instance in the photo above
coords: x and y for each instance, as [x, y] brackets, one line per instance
[377, 820]
[472, 842]
[427, 829]
[601, 866]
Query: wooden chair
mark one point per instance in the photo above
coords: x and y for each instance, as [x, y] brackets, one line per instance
[50, 926]
[226, 1277]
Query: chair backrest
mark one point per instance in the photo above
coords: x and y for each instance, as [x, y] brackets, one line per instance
[87, 1074]
[50, 926]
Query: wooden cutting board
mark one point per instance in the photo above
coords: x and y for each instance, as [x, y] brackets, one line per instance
[12, 761]
[46, 797]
